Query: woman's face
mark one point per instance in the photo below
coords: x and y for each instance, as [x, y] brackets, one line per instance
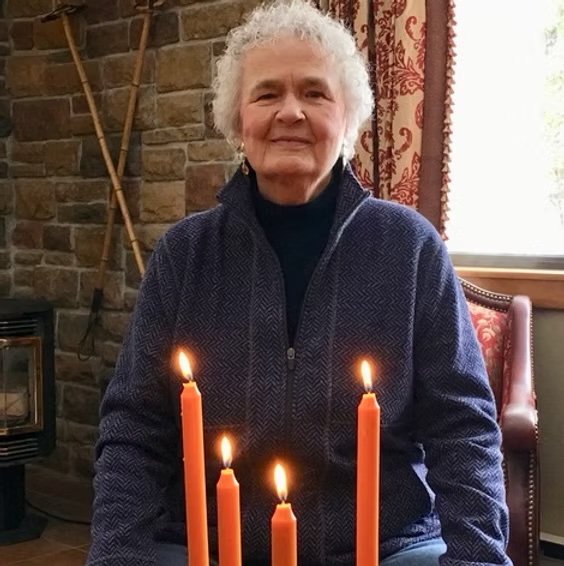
[292, 115]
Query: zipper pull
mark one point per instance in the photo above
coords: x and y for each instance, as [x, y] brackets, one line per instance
[291, 357]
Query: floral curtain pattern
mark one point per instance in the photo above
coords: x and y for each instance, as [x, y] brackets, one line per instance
[411, 73]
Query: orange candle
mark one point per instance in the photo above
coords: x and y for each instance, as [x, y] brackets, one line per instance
[194, 470]
[228, 511]
[284, 526]
[368, 475]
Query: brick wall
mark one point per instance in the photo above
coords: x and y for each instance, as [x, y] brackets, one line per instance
[54, 184]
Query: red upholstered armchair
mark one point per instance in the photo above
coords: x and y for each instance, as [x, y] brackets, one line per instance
[503, 325]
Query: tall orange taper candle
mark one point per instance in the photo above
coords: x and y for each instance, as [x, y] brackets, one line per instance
[284, 526]
[194, 467]
[368, 475]
[228, 511]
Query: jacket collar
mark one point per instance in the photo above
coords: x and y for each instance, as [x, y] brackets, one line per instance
[236, 195]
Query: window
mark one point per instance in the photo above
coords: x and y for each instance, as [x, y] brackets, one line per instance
[507, 169]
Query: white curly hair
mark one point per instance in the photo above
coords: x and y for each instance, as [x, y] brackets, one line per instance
[299, 19]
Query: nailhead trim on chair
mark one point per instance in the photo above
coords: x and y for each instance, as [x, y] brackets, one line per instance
[504, 469]
[533, 479]
[505, 300]
[530, 514]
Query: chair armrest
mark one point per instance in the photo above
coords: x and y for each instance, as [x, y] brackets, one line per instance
[518, 419]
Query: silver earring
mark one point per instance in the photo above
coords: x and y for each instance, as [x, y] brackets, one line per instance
[244, 166]
[343, 158]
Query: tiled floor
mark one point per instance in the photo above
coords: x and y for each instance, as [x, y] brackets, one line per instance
[64, 543]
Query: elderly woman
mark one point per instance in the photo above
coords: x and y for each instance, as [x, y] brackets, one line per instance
[277, 293]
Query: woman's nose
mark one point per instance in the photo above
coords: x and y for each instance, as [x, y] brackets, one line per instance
[290, 109]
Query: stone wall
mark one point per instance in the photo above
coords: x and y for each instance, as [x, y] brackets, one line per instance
[5, 129]
[54, 185]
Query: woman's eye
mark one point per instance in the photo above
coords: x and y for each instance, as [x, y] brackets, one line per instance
[314, 94]
[266, 96]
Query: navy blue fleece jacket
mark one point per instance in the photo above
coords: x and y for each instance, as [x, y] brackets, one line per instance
[383, 289]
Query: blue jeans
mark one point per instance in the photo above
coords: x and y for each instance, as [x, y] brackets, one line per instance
[420, 554]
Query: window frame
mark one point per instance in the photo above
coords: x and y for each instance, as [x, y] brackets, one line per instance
[539, 277]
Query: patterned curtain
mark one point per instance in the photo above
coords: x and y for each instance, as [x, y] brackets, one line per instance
[409, 47]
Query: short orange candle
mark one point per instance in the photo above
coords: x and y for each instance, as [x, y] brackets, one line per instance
[368, 475]
[228, 511]
[194, 468]
[284, 526]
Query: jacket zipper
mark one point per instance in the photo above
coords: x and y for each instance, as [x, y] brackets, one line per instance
[291, 363]
[291, 350]
[291, 356]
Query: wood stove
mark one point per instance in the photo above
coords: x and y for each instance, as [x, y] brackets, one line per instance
[27, 407]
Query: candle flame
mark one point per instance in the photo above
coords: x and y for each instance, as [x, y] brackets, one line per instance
[280, 481]
[226, 452]
[366, 372]
[185, 368]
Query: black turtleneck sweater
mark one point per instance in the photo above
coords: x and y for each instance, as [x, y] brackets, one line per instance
[298, 235]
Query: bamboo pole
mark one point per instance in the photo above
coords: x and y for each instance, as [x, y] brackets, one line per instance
[126, 135]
